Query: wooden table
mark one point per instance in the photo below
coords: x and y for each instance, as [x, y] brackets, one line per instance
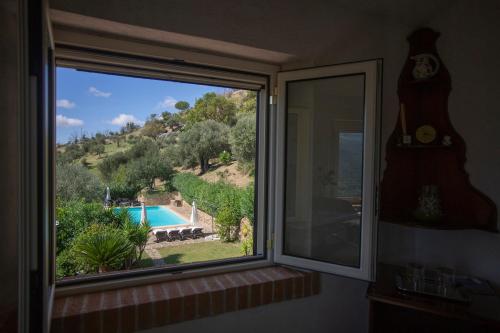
[395, 311]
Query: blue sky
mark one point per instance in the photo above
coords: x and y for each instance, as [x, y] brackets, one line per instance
[93, 102]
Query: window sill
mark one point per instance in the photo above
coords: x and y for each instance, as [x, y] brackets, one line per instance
[144, 307]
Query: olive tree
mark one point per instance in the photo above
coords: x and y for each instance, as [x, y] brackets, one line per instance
[203, 141]
[243, 139]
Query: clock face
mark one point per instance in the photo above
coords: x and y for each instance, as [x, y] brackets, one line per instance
[425, 134]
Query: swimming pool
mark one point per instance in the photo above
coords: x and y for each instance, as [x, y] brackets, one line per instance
[157, 216]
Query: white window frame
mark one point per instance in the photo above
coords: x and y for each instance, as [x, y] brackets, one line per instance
[371, 70]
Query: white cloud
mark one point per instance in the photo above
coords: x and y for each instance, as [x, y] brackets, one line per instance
[96, 92]
[123, 119]
[65, 104]
[167, 103]
[67, 122]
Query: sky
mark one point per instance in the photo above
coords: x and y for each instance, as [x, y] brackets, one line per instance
[94, 102]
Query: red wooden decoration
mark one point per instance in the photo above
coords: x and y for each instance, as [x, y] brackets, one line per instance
[411, 166]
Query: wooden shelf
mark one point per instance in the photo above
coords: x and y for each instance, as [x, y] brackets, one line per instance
[401, 146]
[411, 167]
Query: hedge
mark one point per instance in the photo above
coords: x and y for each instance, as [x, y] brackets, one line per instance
[212, 197]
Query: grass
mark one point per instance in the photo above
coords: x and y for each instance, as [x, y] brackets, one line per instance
[202, 251]
[145, 261]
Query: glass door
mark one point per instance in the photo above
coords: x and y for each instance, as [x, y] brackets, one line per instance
[328, 159]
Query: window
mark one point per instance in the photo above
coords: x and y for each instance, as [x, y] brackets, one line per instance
[160, 167]
[326, 217]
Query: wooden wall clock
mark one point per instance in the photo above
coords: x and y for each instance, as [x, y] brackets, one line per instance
[425, 182]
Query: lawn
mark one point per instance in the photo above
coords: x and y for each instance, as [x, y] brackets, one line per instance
[145, 261]
[202, 251]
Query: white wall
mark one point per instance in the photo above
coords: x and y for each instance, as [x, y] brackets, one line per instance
[328, 32]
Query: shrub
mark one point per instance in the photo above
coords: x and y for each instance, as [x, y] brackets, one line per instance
[227, 224]
[74, 217]
[102, 248]
[247, 199]
[247, 246]
[225, 157]
[137, 234]
[75, 182]
[66, 264]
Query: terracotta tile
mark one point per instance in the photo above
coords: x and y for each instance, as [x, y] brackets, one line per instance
[315, 283]
[56, 326]
[92, 322]
[74, 305]
[279, 290]
[307, 285]
[267, 292]
[298, 287]
[203, 295]
[217, 299]
[243, 290]
[58, 307]
[73, 324]
[110, 320]
[127, 312]
[160, 307]
[176, 302]
[144, 307]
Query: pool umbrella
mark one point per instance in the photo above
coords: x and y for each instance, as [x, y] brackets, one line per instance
[194, 214]
[108, 195]
[144, 215]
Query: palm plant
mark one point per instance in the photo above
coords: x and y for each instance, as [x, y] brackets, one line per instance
[102, 248]
[137, 234]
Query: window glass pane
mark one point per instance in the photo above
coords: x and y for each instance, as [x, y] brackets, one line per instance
[324, 163]
[152, 173]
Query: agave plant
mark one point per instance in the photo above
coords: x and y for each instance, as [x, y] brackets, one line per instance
[103, 248]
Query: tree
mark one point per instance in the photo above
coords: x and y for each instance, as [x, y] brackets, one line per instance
[153, 127]
[98, 149]
[243, 139]
[249, 103]
[144, 171]
[172, 120]
[182, 105]
[214, 107]
[75, 182]
[203, 141]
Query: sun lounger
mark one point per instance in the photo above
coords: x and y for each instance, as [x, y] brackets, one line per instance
[186, 233]
[161, 235]
[174, 234]
[197, 232]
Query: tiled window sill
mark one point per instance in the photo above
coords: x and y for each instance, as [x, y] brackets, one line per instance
[144, 307]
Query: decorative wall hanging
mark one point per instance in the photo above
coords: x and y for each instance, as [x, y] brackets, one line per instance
[425, 182]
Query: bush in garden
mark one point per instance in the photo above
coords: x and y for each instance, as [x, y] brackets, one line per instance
[227, 224]
[76, 182]
[66, 264]
[211, 197]
[74, 217]
[225, 157]
[102, 248]
[247, 198]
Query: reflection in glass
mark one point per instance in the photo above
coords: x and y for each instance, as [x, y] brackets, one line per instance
[324, 164]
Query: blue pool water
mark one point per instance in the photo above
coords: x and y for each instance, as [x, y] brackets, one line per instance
[157, 216]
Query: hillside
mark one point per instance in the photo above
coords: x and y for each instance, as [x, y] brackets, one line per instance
[92, 151]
